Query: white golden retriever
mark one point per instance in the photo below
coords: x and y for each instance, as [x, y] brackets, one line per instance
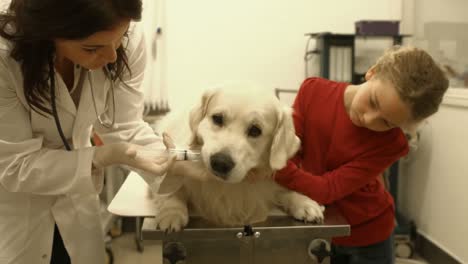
[238, 131]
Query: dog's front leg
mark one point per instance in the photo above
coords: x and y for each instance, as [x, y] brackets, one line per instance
[301, 207]
[172, 212]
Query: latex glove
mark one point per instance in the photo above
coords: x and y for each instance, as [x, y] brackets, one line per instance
[168, 141]
[183, 168]
[124, 153]
[176, 173]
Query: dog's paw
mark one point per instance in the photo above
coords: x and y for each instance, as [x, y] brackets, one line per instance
[307, 210]
[171, 219]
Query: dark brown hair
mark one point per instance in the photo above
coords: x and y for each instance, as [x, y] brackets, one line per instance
[32, 25]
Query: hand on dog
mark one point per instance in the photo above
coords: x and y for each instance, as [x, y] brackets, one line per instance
[256, 174]
[191, 169]
[124, 153]
[168, 141]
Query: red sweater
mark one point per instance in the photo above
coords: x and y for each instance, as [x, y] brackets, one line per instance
[339, 163]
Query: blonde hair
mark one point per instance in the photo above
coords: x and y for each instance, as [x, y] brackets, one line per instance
[419, 81]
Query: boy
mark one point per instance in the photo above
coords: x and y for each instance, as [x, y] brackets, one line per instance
[350, 134]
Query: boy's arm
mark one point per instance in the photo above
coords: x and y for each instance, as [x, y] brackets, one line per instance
[348, 178]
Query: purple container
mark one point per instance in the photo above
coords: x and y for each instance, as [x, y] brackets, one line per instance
[377, 27]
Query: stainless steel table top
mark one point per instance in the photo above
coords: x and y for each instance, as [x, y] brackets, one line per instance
[275, 227]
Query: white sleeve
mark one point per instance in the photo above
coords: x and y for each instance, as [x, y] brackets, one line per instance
[25, 165]
[129, 102]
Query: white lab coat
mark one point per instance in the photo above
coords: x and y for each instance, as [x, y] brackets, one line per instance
[40, 182]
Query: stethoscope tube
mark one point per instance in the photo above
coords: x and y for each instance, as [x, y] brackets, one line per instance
[54, 105]
[98, 116]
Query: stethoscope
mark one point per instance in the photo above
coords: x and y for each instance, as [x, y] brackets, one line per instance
[104, 123]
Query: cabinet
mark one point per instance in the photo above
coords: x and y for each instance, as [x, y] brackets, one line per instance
[336, 54]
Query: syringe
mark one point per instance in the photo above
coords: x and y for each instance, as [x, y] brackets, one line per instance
[181, 154]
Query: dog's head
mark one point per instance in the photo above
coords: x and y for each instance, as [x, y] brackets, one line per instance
[242, 129]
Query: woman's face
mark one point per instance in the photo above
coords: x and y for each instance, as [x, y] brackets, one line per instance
[95, 51]
[377, 106]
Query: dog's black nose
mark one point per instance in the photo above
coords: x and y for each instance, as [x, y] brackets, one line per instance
[222, 164]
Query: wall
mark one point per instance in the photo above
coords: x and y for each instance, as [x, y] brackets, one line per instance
[209, 41]
[443, 33]
[434, 181]
[436, 10]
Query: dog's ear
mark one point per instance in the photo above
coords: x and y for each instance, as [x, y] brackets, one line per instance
[285, 142]
[198, 113]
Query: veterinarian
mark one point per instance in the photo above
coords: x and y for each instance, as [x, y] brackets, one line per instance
[67, 68]
[350, 134]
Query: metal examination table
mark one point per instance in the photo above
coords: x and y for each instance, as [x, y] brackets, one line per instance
[279, 240]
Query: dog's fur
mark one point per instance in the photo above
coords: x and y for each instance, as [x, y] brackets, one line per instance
[237, 129]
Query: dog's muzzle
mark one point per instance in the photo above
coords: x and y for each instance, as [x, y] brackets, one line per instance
[221, 164]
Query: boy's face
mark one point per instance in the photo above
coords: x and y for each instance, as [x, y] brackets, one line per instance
[377, 106]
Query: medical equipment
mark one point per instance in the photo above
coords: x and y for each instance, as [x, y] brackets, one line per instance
[105, 123]
[377, 27]
[181, 154]
[336, 54]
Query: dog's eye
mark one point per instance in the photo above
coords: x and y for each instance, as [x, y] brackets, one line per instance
[254, 131]
[218, 119]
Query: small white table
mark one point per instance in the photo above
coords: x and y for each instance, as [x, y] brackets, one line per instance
[132, 200]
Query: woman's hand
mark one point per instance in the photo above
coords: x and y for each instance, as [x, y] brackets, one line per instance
[168, 141]
[126, 154]
[185, 168]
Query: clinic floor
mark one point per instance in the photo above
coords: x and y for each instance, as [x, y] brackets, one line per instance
[125, 251]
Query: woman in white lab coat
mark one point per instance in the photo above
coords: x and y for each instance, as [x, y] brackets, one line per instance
[50, 175]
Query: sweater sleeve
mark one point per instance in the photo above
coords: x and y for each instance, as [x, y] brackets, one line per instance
[346, 179]
[300, 106]
[351, 175]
